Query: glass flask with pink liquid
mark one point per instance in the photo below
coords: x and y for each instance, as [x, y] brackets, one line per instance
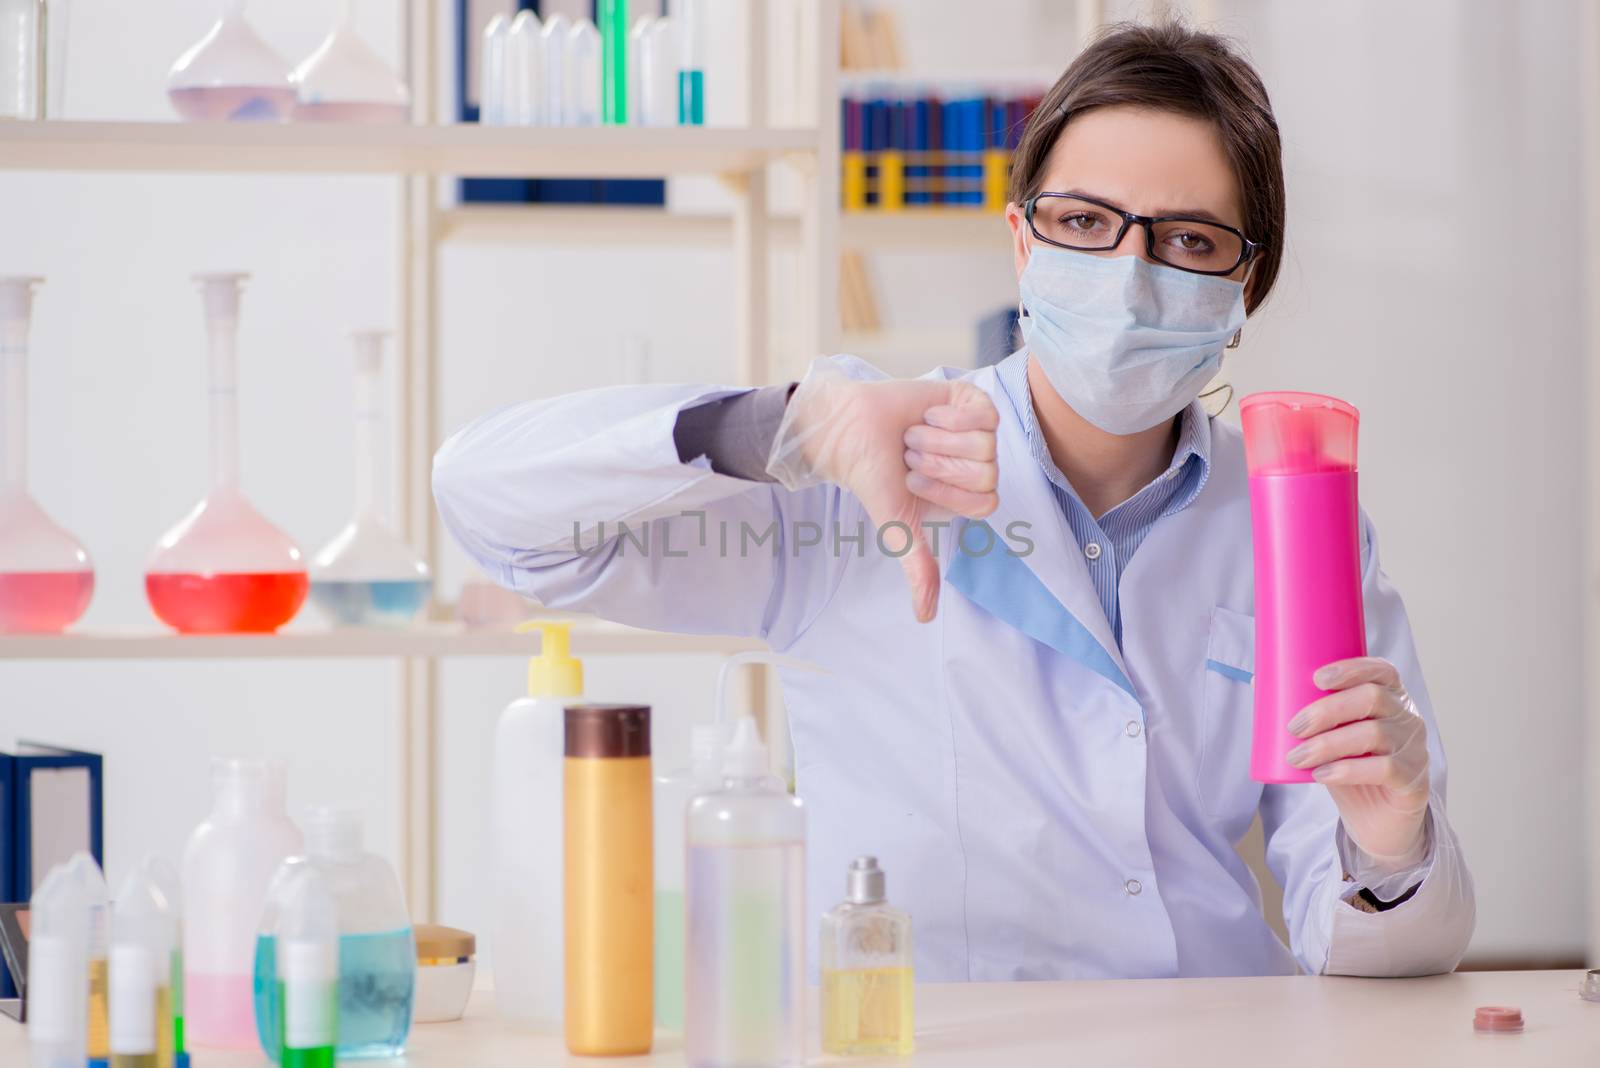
[46, 578]
[231, 75]
[367, 575]
[346, 81]
[224, 569]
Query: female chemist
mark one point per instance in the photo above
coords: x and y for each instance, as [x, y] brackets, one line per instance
[1049, 743]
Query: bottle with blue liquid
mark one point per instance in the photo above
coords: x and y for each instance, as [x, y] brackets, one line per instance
[367, 576]
[377, 952]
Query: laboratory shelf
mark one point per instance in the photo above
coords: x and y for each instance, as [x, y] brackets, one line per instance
[345, 148]
[590, 637]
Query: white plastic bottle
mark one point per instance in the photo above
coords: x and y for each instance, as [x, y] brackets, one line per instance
[226, 869]
[526, 943]
[673, 791]
[58, 970]
[746, 944]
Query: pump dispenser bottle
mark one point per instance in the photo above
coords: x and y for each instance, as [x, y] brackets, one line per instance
[866, 969]
[746, 973]
[525, 837]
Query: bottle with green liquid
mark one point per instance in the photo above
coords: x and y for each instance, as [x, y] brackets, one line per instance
[308, 970]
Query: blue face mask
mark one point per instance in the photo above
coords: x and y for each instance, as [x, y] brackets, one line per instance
[1126, 342]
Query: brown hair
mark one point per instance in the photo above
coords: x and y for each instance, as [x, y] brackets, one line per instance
[1170, 67]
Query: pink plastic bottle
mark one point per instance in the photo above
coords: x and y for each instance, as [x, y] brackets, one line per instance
[1300, 449]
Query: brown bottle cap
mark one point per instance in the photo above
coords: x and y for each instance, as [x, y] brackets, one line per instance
[607, 731]
[437, 944]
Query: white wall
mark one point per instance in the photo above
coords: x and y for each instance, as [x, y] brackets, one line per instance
[1431, 278]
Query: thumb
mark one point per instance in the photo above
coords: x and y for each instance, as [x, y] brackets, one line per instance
[922, 575]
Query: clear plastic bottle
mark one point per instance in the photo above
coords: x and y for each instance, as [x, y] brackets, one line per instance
[91, 884]
[230, 859]
[46, 579]
[746, 944]
[526, 938]
[524, 83]
[58, 967]
[674, 790]
[224, 568]
[377, 951]
[231, 74]
[144, 923]
[368, 576]
[866, 969]
[306, 966]
[583, 74]
[344, 80]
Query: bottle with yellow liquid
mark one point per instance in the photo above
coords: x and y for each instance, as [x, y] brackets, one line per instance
[609, 888]
[866, 969]
[91, 883]
[144, 918]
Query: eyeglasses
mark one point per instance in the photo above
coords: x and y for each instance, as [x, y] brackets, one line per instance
[1085, 224]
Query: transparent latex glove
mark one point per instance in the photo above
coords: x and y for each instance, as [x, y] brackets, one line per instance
[1369, 747]
[910, 451]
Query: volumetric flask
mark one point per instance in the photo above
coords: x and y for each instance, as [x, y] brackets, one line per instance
[46, 579]
[368, 576]
[346, 81]
[225, 569]
[231, 74]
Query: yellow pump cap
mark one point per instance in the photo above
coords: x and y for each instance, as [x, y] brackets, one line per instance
[554, 672]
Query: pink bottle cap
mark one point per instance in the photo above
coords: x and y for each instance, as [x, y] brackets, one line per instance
[1298, 433]
[1497, 1018]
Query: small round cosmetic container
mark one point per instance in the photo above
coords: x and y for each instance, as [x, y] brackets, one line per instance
[446, 962]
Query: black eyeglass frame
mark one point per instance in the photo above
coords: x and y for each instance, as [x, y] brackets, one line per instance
[1248, 248]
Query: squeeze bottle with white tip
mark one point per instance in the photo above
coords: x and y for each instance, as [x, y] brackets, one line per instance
[746, 927]
[526, 942]
[58, 972]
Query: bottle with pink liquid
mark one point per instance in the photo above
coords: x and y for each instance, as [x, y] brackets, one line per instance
[1300, 449]
[46, 578]
[224, 568]
[346, 81]
[226, 869]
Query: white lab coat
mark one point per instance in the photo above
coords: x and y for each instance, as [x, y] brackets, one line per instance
[1047, 805]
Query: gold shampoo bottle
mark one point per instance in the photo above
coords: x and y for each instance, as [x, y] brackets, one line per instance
[610, 882]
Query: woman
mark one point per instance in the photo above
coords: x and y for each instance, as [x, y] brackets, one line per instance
[1050, 751]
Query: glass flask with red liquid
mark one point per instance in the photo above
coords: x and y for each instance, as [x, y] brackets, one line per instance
[368, 576]
[46, 579]
[231, 75]
[224, 569]
[344, 80]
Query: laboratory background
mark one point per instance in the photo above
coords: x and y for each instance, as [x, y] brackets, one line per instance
[448, 252]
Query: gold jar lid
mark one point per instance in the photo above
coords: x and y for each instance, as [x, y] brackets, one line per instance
[437, 944]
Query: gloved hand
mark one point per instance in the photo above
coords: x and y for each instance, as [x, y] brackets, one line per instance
[1369, 746]
[906, 449]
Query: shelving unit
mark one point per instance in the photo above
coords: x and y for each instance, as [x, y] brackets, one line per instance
[420, 155]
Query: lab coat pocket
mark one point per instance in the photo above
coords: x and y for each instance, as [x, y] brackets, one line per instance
[1224, 782]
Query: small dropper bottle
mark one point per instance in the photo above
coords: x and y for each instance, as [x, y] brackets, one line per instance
[144, 917]
[91, 883]
[133, 982]
[308, 972]
[58, 970]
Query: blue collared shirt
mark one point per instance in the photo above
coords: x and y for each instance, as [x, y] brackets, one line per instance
[1110, 542]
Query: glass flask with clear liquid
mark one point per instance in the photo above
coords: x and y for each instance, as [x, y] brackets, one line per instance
[224, 569]
[231, 75]
[344, 80]
[377, 950]
[46, 579]
[368, 576]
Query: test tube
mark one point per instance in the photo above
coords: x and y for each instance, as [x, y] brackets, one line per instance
[613, 16]
[86, 874]
[133, 1005]
[58, 969]
[691, 63]
[554, 38]
[524, 96]
[583, 74]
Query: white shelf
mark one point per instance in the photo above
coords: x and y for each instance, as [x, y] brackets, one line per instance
[343, 148]
[590, 637]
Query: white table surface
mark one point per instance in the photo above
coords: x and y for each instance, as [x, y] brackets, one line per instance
[1282, 1022]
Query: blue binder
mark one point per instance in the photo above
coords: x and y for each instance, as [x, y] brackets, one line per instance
[43, 791]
